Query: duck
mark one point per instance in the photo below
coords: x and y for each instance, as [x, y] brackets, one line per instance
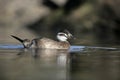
[47, 43]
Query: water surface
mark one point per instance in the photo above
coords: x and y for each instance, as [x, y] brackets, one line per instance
[78, 63]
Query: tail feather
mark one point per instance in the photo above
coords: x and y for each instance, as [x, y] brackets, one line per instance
[17, 38]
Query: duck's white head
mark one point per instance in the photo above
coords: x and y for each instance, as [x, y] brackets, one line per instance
[64, 36]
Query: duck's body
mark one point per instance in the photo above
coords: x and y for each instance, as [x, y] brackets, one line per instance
[51, 44]
[47, 42]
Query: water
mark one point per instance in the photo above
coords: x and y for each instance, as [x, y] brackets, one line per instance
[78, 63]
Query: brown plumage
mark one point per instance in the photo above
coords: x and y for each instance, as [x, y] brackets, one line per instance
[48, 43]
[52, 44]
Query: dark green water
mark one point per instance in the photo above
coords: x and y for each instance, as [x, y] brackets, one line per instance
[79, 63]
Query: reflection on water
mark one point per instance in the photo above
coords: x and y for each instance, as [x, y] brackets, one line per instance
[79, 63]
[34, 64]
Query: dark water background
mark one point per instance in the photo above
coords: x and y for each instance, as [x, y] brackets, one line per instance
[78, 63]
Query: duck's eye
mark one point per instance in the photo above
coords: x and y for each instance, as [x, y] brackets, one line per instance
[61, 35]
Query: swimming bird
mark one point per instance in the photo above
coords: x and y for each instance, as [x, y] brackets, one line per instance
[48, 43]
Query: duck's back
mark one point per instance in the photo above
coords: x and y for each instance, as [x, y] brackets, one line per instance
[52, 44]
